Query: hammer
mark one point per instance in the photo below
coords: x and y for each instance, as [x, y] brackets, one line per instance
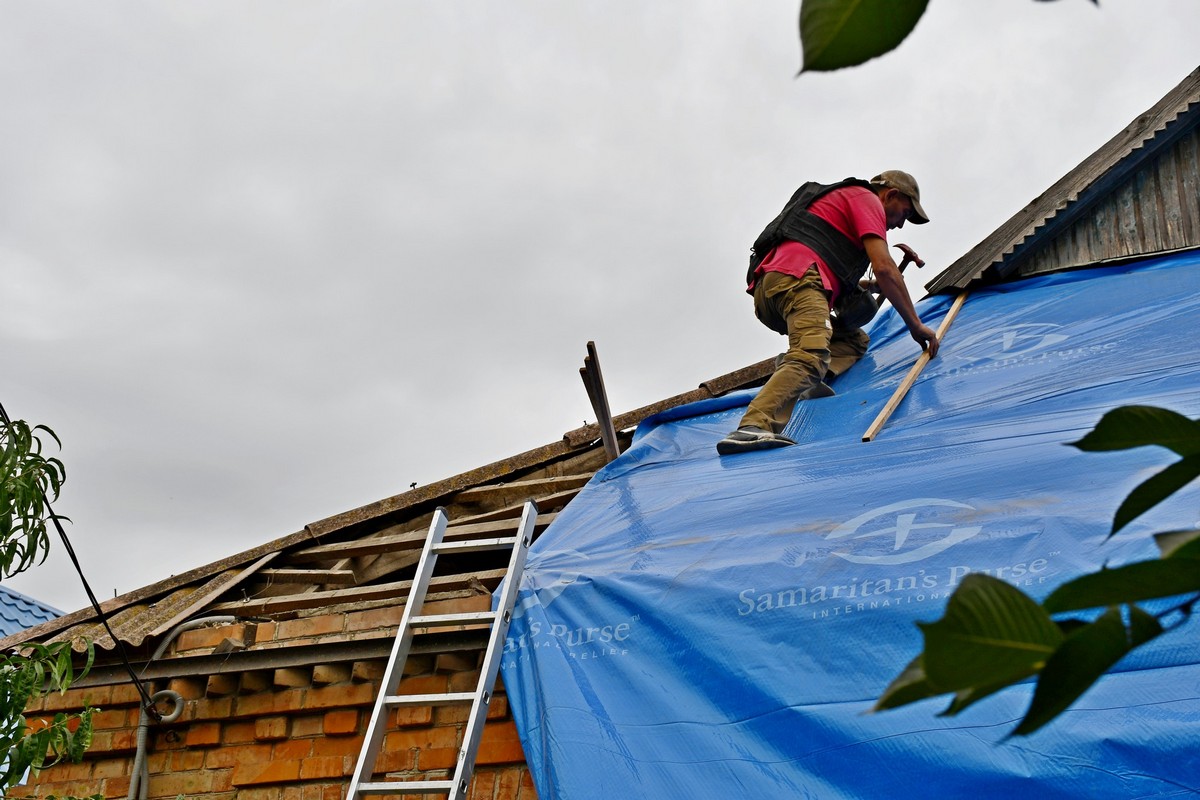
[910, 255]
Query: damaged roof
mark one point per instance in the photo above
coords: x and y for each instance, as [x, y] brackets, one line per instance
[361, 555]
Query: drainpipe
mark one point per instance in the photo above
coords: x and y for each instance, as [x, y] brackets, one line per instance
[140, 775]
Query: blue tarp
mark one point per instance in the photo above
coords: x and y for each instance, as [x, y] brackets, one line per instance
[698, 627]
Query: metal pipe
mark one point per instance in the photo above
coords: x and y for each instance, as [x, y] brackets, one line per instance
[140, 775]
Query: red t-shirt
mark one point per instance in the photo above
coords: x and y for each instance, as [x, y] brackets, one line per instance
[854, 211]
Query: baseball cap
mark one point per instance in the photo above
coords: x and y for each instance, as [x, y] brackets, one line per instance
[902, 181]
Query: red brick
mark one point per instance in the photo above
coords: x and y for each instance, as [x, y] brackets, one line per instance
[117, 786]
[464, 681]
[270, 728]
[188, 688]
[498, 708]
[424, 684]
[413, 715]
[306, 726]
[292, 750]
[437, 758]
[125, 694]
[456, 662]
[328, 767]
[269, 772]
[500, 745]
[113, 742]
[340, 696]
[309, 627]
[112, 768]
[325, 674]
[257, 705]
[336, 746]
[210, 708]
[71, 772]
[262, 632]
[257, 681]
[375, 619]
[204, 734]
[340, 723]
[264, 793]
[174, 784]
[198, 638]
[234, 756]
[291, 677]
[368, 671]
[459, 605]
[508, 785]
[396, 761]
[183, 760]
[237, 732]
[221, 685]
[421, 739]
[482, 786]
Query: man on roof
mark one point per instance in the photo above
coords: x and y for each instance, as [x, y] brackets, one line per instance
[808, 263]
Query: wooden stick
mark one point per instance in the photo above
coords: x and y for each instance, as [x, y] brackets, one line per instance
[911, 378]
[593, 380]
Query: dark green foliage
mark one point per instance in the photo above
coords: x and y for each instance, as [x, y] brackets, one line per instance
[29, 482]
[845, 33]
[993, 635]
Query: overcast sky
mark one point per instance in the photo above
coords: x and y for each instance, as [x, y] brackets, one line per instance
[265, 262]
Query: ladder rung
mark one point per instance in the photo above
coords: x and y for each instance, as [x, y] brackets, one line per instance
[443, 620]
[476, 545]
[447, 699]
[406, 787]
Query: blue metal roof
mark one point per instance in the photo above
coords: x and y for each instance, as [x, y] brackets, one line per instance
[18, 612]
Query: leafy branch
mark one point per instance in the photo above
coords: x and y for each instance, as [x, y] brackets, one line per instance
[993, 635]
[29, 482]
[846, 33]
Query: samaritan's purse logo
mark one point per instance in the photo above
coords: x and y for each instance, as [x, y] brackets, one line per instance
[1014, 340]
[904, 532]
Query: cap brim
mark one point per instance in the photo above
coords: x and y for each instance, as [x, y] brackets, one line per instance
[918, 215]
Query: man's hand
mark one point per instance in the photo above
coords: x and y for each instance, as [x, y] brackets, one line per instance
[925, 337]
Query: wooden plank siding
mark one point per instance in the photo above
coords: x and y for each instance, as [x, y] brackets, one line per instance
[1157, 209]
[1061, 210]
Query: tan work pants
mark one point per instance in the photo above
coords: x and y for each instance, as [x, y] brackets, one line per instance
[799, 309]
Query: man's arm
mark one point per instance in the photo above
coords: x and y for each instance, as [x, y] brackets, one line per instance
[891, 285]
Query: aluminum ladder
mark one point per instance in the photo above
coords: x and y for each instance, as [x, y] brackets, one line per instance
[361, 784]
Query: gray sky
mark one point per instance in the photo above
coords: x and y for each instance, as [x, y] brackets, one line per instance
[267, 262]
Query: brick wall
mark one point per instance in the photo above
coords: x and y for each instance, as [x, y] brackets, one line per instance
[295, 733]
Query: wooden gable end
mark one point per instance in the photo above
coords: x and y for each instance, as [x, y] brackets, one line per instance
[1157, 209]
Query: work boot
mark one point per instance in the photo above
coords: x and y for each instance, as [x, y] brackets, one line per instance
[749, 438]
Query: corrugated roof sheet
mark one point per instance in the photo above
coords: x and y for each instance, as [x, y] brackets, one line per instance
[19, 612]
[1158, 127]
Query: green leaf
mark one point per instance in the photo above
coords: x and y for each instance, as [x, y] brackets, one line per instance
[1184, 543]
[1142, 580]
[968, 697]
[992, 633]
[1155, 489]
[1139, 426]
[843, 33]
[1082, 658]
[909, 686]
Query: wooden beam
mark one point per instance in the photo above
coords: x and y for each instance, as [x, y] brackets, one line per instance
[357, 594]
[410, 540]
[317, 576]
[911, 378]
[593, 381]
